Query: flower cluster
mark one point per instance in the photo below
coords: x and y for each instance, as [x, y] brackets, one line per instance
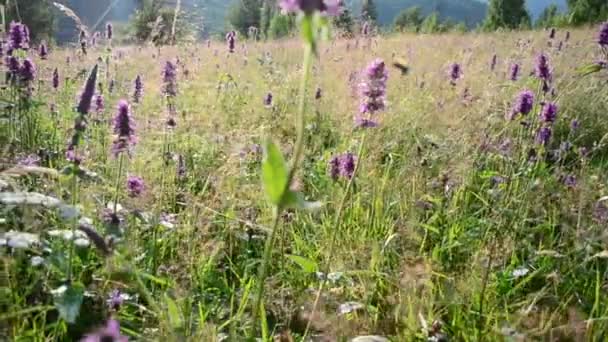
[124, 129]
[231, 41]
[135, 186]
[548, 116]
[602, 37]
[514, 72]
[138, 89]
[523, 104]
[43, 51]
[18, 37]
[372, 91]
[169, 75]
[342, 165]
[543, 71]
[455, 73]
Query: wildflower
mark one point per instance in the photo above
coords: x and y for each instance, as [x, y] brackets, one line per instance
[570, 181]
[543, 70]
[99, 103]
[268, 100]
[13, 65]
[549, 112]
[27, 72]
[543, 135]
[111, 86]
[574, 125]
[318, 94]
[111, 332]
[552, 33]
[138, 89]
[365, 29]
[135, 186]
[567, 36]
[372, 91]
[602, 38]
[124, 128]
[115, 299]
[29, 160]
[181, 167]
[342, 165]
[523, 105]
[514, 72]
[330, 7]
[43, 50]
[455, 73]
[55, 80]
[18, 36]
[231, 40]
[493, 62]
[600, 212]
[169, 75]
[109, 31]
[84, 105]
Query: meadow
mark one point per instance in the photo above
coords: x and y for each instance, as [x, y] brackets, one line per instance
[468, 210]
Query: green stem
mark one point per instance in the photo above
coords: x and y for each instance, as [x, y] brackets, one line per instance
[75, 223]
[116, 189]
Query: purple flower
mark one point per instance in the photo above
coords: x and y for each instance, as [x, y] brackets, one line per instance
[99, 103]
[602, 37]
[570, 181]
[231, 40]
[574, 125]
[29, 160]
[111, 86]
[169, 75]
[549, 113]
[84, 105]
[342, 165]
[567, 36]
[138, 89]
[318, 94]
[268, 100]
[135, 186]
[124, 129]
[543, 135]
[372, 92]
[552, 33]
[109, 31]
[43, 50]
[365, 29]
[55, 80]
[13, 65]
[523, 104]
[181, 167]
[330, 7]
[493, 62]
[115, 300]
[455, 73]
[18, 36]
[111, 332]
[543, 69]
[514, 72]
[27, 72]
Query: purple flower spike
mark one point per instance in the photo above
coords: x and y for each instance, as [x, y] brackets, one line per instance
[124, 128]
[268, 100]
[602, 38]
[342, 165]
[13, 65]
[84, 105]
[543, 135]
[549, 113]
[115, 300]
[99, 104]
[523, 105]
[111, 332]
[27, 72]
[109, 31]
[552, 33]
[514, 72]
[329, 7]
[318, 94]
[43, 51]
[543, 69]
[334, 167]
[18, 36]
[493, 62]
[169, 75]
[55, 79]
[135, 186]
[231, 41]
[138, 89]
[455, 73]
[372, 91]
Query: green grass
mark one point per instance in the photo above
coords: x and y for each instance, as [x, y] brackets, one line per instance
[428, 242]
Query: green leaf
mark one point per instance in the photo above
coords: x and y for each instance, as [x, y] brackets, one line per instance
[68, 301]
[589, 69]
[175, 318]
[296, 200]
[274, 173]
[307, 265]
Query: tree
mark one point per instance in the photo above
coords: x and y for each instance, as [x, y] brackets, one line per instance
[280, 25]
[431, 24]
[368, 11]
[345, 22]
[548, 17]
[510, 14]
[245, 14]
[266, 14]
[587, 11]
[409, 19]
[154, 22]
[38, 15]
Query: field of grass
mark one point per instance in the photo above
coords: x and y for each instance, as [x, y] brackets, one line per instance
[458, 224]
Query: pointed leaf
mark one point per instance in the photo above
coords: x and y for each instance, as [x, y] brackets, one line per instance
[175, 318]
[68, 301]
[296, 200]
[274, 173]
[307, 265]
